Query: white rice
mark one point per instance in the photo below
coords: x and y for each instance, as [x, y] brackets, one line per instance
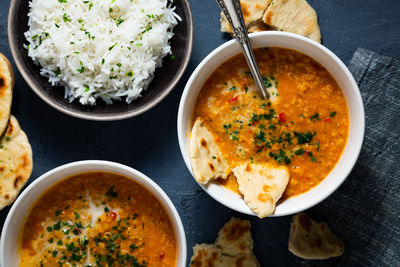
[100, 48]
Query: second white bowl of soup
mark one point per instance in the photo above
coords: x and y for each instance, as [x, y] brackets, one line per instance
[90, 213]
[290, 151]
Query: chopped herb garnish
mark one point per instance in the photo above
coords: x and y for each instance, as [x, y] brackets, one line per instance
[299, 152]
[111, 192]
[227, 126]
[66, 18]
[111, 47]
[332, 114]
[81, 70]
[119, 21]
[315, 117]
[303, 138]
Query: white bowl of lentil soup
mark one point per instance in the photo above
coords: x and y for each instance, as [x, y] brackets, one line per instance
[312, 127]
[93, 212]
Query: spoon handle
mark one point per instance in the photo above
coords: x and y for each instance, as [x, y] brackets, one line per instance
[233, 13]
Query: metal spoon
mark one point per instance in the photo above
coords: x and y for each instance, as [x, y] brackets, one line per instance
[233, 13]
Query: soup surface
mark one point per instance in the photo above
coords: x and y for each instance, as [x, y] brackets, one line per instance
[304, 125]
[98, 219]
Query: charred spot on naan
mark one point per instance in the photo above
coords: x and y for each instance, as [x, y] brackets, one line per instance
[203, 143]
[17, 180]
[10, 130]
[205, 255]
[305, 222]
[236, 230]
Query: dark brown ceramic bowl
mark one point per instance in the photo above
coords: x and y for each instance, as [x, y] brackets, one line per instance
[164, 81]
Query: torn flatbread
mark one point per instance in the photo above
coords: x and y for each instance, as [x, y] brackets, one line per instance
[15, 162]
[205, 156]
[209, 255]
[252, 10]
[233, 247]
[295, 16]
[6, 89]
[312, 240]
[235, 237]
[261, 186]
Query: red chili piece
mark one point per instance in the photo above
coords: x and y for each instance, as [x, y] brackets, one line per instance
[233, 99]
[113, 214]
[282, 117]
[327, 120]
[162, 255]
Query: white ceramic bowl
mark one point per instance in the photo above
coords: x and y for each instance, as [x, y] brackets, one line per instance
[327, 59]
[9, 237]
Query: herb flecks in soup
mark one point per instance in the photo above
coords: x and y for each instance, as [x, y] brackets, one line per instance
[304, 125]
[98, 218]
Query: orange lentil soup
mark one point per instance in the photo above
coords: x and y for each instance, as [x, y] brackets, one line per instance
[98, 219]
[304, 125]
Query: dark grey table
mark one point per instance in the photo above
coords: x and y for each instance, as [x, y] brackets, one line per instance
[149, 142]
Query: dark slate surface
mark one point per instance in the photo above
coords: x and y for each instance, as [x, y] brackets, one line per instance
[149, 142]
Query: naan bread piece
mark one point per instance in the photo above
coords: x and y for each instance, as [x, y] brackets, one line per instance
[295, 16]
[235, 237]
[205, 156]
[261, 186]
[209, 255]
[252, 10]
[6, 89]
[15, 162]
[311, 240]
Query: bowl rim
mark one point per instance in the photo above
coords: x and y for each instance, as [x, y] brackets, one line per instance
[105, 166]
[98, 117]
[183, 140]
